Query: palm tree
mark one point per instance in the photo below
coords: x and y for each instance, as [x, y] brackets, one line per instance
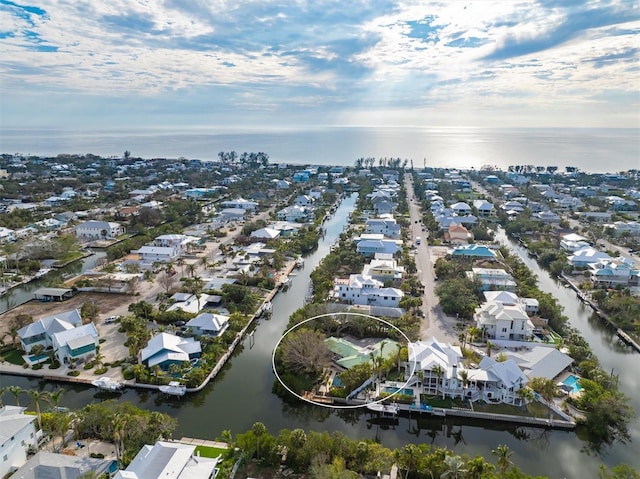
[455, 467]
[526, 394]
[490, 347]
[2, 391]
[439, 372]
[478, 468]
[180, 262]
[258, 430]
[191, 269]
[16, 391]
[503, 453]
[407, 458]
[37, 396]
[54, 398]
[464, 377]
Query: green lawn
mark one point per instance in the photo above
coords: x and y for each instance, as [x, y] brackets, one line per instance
[435, 401]
[533, 409]
[13, 356]
[208, 451]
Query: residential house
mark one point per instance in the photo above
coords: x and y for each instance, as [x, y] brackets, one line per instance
[498, 382]
[301, 177]
[179, 241]
[76, 344]
[364, 290]
[609, 274]
[158, 254]
[17, 435]
[169, 460]
[492, 279]
[540, 361]
[457, 235]
[348, 353]
[306, 201]
[371, 247]
[240, 203]
[582, 258]
[294, 213]
[41, 331]
[383, 268]
[547, 217]
[573, 242]
[384, 207]
[265, 233]
[7, 235]
[504, 321]
[595, 216]
[388, 227]
[531, 305]
[94, 230]
[512, 206]
[50, 465]
[474, 251]
[461, 209]
[208, 324]
[165, 349]
[484, 208]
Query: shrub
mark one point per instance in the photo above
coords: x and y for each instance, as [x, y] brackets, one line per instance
[37, 366]
[73, 373]
[101, 370]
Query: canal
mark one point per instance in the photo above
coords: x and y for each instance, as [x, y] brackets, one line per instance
[23, 293]
[241, 395]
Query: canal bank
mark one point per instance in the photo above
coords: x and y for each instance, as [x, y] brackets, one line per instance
[241, 394]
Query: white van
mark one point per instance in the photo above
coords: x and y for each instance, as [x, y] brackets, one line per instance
[418, 240]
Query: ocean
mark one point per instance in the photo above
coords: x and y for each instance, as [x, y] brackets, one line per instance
[590, 149]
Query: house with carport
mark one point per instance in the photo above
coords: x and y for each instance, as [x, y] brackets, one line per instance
[165, 349]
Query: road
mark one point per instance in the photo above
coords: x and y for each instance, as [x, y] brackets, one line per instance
[435, 322]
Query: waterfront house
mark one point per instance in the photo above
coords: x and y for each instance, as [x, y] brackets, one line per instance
[474, 251]
[504, 321]
[17, 436]
[165, 349]
[208, 324]
[76, 344]
[294, 213]
[158, 254]
[41, 331]
[169, 460]
[430, 357]
[240, 203]
[265, 233]
[582, 258]
[385, 226]
[497, 382]
[364, 290]
[305, 200]
[531, 305]
[383, 268]
[352, 352]
[540, 360]
[573, 242]
[457, 235]
[609, 274]
[492, 279]
[50, 465]
[95, 230]
[371, 247]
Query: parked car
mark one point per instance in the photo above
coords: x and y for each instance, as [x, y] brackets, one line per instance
[111, 319]
[180, 323]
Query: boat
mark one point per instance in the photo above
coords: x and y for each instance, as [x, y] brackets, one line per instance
[41, 272]
[174, 388]
[299, 263]
[384, 408]
[107, 384]
[266, 309]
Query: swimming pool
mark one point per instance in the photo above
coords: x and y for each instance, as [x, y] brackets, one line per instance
[336, 382]
[405, 391]
[572, 381]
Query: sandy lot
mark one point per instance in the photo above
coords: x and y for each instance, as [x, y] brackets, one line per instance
[107, 302]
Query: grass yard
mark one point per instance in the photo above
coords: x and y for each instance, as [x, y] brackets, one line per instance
[208, 451]
[533, 409]
[13, 356]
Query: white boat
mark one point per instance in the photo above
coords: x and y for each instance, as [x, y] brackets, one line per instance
[174, 388]
[384, 408]
[266, 309]
[299, 263]
[41, 273]
[107, 384]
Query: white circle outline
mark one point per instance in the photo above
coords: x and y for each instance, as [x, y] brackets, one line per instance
[333, 406]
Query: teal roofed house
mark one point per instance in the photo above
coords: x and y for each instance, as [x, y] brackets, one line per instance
[352, 354]
[474, 250]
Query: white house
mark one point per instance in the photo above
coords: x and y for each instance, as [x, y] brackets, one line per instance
[42, 331]
[383, 268]
[582, 258]
[179, 241]
[492, 279]
[158, 254]
[17, 434]
[75, 344]
[240, 203]
[365, 290]
[7, 234]
[169, 460]
[385, 226]
[371, 247]
[461, 208]
[51, 465]
[531, 305]
[208, 324]
[609, 274]
[99, 230]
[305, 200]
[165, 349]
[294, 213]
[504, 321]
[266, 233]
[547, 217]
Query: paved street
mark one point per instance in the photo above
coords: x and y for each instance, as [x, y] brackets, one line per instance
[435, 322]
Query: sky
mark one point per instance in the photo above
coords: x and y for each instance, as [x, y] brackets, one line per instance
[113, 64]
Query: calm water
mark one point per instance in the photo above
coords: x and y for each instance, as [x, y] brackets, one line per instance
[593, 150]
[242, 395]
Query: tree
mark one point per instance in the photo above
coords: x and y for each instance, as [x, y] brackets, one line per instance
[464, 377]
[55, 397]
[439, 372]
[90, 311]
[167, 281]
[37, 396]
[503, 454]
[258, 429]
[191, 269]
[304, 351]
[490, 347]
[455, 467]
[16, 391]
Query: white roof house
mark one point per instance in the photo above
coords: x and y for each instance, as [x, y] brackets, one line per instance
[427, 354]
[461, 208]
[17, 433]
[41, 331]
[266, 233]
[50, 465]
[75, 343]
[585, 257]
[364, 290]
[165, 349]
[168, 460]
[540, 361]
[209, 324]
[504, 321]
[99, 230]
[239, 203]
[161, 254]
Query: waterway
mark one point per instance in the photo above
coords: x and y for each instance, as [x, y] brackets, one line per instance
[241, 395]
[23, 293]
